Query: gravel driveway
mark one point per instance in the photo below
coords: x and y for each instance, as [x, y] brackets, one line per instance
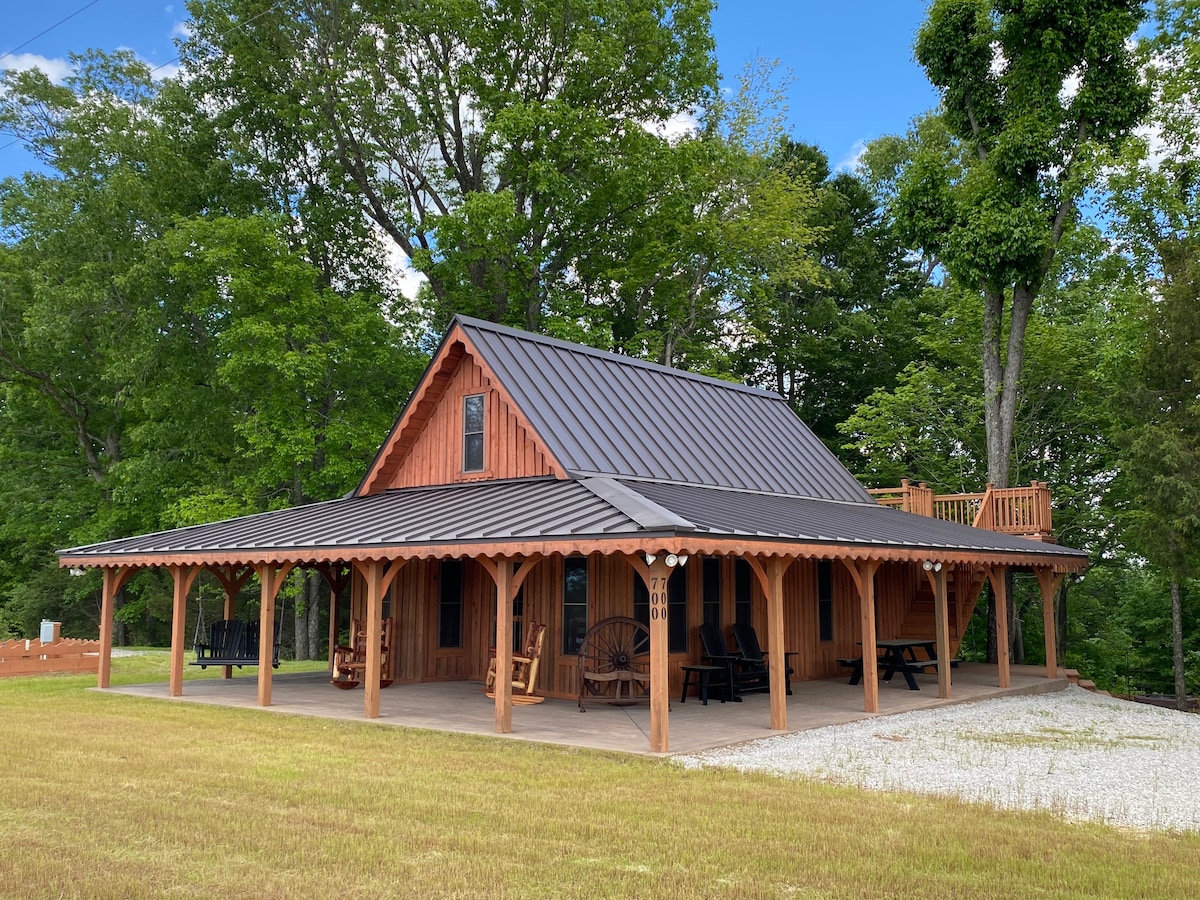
[1081, 754]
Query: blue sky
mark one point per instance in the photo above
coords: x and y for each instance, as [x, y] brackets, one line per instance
[853, 76]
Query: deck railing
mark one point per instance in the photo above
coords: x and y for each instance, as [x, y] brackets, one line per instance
[1021, 510]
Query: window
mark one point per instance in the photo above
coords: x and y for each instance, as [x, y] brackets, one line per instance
[825, 599]
[712, 591]
[450, 604]
[473, 433]
[743, 592]
[677, 623]
[574, 602]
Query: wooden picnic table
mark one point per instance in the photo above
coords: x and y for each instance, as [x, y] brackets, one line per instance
[898, 655]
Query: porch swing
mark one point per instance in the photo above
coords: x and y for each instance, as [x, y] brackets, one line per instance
[231, 642]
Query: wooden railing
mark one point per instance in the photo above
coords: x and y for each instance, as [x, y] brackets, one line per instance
[1020, 510]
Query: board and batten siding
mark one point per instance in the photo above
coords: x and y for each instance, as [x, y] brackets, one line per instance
[510, 450]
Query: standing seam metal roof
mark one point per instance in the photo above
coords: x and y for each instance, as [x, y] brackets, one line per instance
[605, 414]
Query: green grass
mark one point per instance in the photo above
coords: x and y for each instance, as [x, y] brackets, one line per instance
[104, 795]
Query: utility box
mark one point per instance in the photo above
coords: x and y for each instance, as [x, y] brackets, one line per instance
[50, 631]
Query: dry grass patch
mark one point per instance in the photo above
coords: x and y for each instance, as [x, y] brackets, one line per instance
[104, 795]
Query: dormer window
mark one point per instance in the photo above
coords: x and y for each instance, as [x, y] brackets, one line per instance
[473, 433]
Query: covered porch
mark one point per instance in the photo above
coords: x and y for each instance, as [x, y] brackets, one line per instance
[461, 707]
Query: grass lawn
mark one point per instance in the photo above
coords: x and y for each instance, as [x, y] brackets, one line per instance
[117, 796]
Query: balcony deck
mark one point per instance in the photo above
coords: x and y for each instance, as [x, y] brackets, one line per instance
[1024, 511]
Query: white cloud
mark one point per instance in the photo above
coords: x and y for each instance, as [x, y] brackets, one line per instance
[57, 70]
[851, 161]
[681, 125]
[182, 30]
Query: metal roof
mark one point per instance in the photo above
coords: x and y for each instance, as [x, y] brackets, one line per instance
[546, 509]
[606, 414]
[797, 519]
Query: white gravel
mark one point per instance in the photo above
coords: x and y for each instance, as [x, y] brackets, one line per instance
[1080, 754]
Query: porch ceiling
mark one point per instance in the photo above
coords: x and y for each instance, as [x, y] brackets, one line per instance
[543, 515]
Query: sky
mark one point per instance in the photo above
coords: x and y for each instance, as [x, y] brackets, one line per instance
[852, 75]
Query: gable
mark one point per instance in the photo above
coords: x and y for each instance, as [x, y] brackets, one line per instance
[426, 444]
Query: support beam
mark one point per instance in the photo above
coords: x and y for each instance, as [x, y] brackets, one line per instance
[941, 629]
[114, 580]
[1000, 591]
[770, 579]
[270, 580]
[182, 578]
[655, 574]
[373, 572]
[508, 583]
[1049, 582]
[863, 573]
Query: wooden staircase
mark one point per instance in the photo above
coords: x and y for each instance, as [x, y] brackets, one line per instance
[962, 594]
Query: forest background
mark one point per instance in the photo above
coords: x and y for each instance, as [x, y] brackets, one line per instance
[202, 312]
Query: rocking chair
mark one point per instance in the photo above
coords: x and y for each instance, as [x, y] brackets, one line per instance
[524, 668]
[350, 662]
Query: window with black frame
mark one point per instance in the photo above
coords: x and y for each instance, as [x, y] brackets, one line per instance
[712, 591]
[450, 604]
[743, 592]
[574, 603]
[825, 599]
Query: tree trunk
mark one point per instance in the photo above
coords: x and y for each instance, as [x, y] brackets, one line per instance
[299, 626]
[1060, 619]
[1177, 645]
[313, 582]
[1016, 614]
[1001, 376]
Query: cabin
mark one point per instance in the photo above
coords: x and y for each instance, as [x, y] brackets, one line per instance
[529, 479]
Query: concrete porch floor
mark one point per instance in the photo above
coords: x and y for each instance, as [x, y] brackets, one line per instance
[462, 707]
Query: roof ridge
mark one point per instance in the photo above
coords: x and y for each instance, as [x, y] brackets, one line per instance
[608, 355]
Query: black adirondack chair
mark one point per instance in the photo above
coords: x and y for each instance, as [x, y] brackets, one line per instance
[747, 641]
[744, 674]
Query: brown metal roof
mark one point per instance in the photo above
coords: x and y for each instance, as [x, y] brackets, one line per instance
[605, 414]
[543, 509]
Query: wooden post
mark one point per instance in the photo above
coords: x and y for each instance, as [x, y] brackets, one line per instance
[502, 686]
[182, 577]
[660, 701]
[114, 580]
[1049, 583]
[770, 579]
[863, 574]
[996, 577]
[373, 572]
[941, 625]
[270, 579]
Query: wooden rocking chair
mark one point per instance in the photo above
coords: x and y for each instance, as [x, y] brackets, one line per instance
[350, 662]
[524, 668]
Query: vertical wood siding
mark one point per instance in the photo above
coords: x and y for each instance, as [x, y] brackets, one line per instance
[436, 455]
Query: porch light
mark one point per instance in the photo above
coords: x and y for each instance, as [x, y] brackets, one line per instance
[683, 558]
[931, 566]
[650, 558]
[672, 560]
[75, 571]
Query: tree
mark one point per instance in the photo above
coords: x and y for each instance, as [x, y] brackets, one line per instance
[473, 135]
[1033, 94]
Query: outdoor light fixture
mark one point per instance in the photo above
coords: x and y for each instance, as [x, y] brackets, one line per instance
[930, 566]
[672, 560]
[683, 558]
[76, 572]
[650, 558]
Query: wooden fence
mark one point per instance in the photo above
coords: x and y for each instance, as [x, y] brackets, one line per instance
[1022, 510]
[22, 657]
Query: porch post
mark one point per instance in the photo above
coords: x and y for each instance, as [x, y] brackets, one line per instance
[1049, 582]
[655, 572]
[182, 577]
[373, 572]
[941, 626]
[770, 577]
[114, 580]
[270, 579]
[999, 589]
[502, 686]
[863, 574]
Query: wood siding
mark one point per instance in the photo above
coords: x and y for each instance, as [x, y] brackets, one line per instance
[414, 599]
[510, 450]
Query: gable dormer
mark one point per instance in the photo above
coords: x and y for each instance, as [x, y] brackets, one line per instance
[460, 425]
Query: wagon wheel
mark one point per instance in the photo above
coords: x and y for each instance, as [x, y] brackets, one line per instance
[614, 662]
